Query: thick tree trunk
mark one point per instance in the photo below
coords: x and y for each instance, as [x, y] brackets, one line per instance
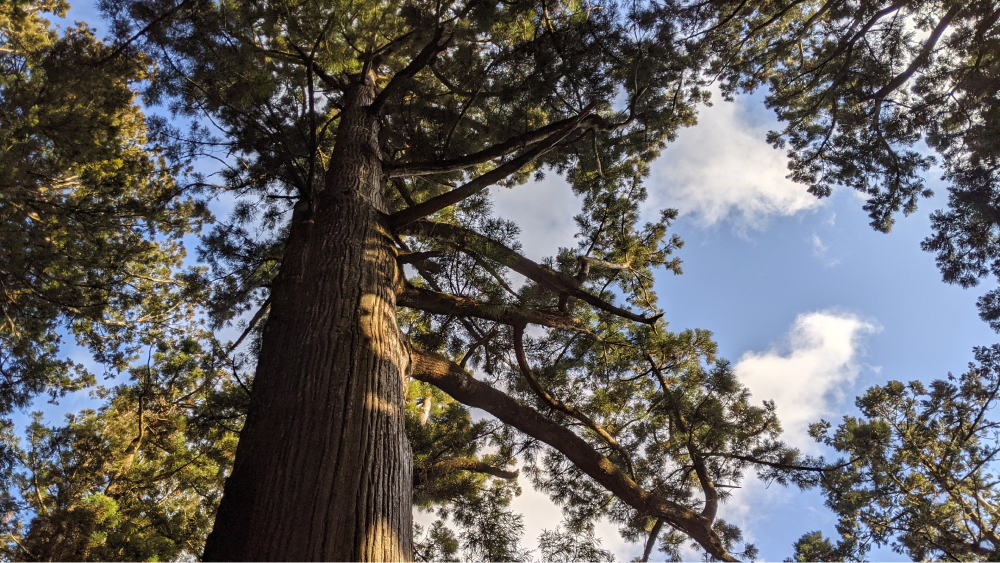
[323, 470]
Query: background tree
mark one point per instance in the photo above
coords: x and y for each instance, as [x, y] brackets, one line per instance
[89, 212]
[922, 467]
[138, 479]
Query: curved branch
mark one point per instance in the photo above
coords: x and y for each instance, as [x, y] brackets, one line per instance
[545, 396]
[450, 378]
[471, 242]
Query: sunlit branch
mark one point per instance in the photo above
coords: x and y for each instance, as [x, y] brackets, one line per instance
[446, 304]
[443, 468]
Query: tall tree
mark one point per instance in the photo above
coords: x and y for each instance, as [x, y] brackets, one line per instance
[360, 139]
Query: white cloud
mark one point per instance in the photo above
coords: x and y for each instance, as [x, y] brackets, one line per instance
[812, 373]
[723, 169]
[544, 211]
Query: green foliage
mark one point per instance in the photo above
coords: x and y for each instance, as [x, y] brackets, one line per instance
[90, 216]
[137, 480]
[566, 544]
[921, 469]
[813, 546]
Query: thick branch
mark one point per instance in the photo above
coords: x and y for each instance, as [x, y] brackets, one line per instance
[447, 376]
[919, 60]
[471, 242]
[490, 153]
[442, 468]
[423, 58]
[547, 398]
[446, 304]
[480, 183]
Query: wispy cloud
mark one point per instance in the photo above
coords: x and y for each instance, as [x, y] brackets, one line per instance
[822, 251]
[809, 374]
[723, 169]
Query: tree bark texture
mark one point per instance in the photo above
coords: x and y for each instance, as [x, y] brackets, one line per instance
[323, 470]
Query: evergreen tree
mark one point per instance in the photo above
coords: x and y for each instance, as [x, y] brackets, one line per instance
[361, 139]
[89, 211]
[140, 478]
[921, 468]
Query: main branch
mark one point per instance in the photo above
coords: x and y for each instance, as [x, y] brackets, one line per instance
[439, 303]
[480, 183]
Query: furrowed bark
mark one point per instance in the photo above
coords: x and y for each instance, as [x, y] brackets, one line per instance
[450, 378]
[323, 470]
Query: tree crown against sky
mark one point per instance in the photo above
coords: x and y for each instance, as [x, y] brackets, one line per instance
[466, 96]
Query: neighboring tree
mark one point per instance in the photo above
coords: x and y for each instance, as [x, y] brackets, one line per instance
[922, 471]
[137, 480]
[814, 547]
[89, 212]
[360, 139]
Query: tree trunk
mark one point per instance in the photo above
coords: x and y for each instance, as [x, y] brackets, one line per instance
[323, 470]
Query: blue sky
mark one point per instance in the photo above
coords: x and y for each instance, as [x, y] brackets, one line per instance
[810, 303]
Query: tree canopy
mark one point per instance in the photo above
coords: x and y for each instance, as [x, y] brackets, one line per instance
[358, 141]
